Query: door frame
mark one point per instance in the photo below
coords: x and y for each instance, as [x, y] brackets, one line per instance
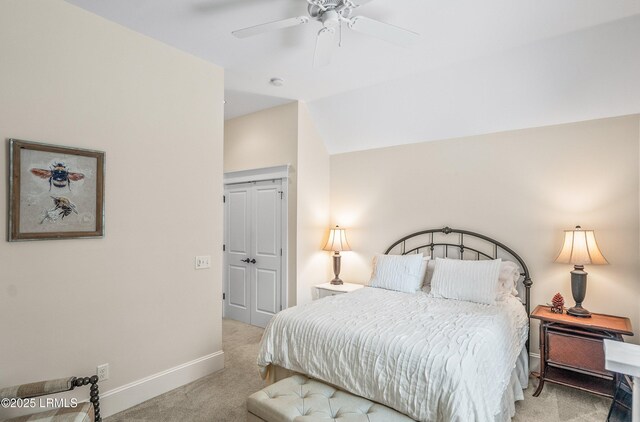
[258, 175]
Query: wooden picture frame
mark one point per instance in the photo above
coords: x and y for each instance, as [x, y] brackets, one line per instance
[55, 192]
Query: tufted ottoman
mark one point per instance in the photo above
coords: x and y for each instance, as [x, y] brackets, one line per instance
[300, 399]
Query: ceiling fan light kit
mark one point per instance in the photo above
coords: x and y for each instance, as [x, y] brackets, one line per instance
[332, 14]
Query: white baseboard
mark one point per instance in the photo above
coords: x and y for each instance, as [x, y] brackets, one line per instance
[126, 396]
[534, 362]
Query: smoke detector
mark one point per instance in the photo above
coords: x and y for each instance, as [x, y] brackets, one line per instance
[276, 81]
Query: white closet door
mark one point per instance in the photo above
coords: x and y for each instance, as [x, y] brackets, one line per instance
[265, 248]
[238, 248]
[253, 254]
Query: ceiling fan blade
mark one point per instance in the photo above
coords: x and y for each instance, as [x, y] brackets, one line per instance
[384, 31]
[359, 3]
[325, 45]
[211, 6]
[271, 26]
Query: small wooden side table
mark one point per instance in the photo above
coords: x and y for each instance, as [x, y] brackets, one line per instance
[572, 351]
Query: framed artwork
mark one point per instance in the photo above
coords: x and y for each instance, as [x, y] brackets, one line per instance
[55, 192]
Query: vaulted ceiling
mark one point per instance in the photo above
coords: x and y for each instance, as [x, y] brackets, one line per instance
[479, 67]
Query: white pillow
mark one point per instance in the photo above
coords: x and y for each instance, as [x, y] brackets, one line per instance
[507, 285]
[509, 276]
[473, 281]
[423, 269]
[431, 266]
[397, 272]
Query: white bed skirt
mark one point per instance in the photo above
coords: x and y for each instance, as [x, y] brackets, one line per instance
[514, 392]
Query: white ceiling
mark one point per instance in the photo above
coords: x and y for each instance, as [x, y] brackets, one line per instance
[481, 66]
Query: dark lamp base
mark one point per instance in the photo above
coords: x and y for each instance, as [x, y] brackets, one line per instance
[336, 269]
[579, 311]
[578, 290]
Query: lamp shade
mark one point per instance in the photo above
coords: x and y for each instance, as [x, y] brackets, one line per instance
[337, 241]
[580, 248]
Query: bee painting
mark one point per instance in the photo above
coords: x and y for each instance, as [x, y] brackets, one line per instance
[58, 175]
[55, 192]
[63, 207]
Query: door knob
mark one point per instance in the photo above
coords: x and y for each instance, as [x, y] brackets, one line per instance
[253, 261]
[245, 260]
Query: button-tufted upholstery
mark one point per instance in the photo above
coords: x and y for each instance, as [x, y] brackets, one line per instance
[300, 399]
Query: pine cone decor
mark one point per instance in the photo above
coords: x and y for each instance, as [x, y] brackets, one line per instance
[557, 304]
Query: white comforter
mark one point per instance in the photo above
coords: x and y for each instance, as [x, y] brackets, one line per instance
[431, 359]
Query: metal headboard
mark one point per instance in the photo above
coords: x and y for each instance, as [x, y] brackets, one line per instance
[466, 245]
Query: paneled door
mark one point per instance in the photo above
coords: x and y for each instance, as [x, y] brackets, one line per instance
[253, 254]
[237, 251]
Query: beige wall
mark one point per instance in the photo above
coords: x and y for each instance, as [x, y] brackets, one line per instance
[313, 207]
[268, 138]
[522, 188]
[132, 299]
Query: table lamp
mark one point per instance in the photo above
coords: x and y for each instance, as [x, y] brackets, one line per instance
[580, 249]
[337, 242]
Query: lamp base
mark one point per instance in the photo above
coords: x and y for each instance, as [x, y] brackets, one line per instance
[578, 290]
[579, 311]
[336, 269]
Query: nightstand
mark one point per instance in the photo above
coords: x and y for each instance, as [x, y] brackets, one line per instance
[572, 350]
[328, 289]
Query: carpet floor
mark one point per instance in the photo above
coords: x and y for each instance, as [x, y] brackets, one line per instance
[220, 397]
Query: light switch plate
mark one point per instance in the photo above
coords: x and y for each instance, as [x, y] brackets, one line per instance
[203, 262]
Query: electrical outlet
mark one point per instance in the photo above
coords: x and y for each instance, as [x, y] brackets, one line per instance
[203, 262]
[103, 372]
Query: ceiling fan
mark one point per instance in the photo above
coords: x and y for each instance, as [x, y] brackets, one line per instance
[332, 14]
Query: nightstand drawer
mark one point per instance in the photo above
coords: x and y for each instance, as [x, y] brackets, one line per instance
[324, 293]
[328, 289]
[576, 352]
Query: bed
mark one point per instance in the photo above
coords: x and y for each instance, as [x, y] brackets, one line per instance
[431, 358]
